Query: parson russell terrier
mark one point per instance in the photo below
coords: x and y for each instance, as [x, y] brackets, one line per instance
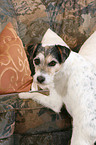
[71, 80]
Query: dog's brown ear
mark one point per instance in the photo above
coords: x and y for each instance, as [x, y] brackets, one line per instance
[31, 50]
[63, 52]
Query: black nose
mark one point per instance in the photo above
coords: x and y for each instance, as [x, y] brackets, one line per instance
[40, 79]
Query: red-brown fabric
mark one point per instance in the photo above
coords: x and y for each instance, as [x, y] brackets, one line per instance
[15, 75]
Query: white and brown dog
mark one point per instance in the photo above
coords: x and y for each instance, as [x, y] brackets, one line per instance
[71, 80]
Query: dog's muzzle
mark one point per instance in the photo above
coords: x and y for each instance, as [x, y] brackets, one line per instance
[40, 79]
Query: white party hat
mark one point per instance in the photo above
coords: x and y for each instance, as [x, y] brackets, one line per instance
[50, 38]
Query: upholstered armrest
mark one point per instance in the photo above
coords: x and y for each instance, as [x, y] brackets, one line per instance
[7, 119]
[29, 117]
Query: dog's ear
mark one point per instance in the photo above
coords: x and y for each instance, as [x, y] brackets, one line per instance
[63, 52]
[31, 51]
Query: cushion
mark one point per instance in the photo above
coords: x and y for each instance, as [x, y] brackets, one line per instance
[7, 121]
[51, 38]
[15, 75]
[88, 49]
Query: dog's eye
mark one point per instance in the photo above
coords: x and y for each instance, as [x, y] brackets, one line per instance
[52, 63]
[37, 61]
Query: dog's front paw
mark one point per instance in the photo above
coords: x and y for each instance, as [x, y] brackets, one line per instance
[23, 95]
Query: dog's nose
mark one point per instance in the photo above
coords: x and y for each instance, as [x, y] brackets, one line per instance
[40, 79]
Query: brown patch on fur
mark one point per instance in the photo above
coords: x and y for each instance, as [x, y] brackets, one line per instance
[43, 67]
[60, 52]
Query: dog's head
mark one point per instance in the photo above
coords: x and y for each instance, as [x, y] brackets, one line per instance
[47, 61]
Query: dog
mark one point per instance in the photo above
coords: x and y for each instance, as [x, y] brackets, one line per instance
[71, 80]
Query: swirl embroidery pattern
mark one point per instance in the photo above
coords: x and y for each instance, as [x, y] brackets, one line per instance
[15, 74]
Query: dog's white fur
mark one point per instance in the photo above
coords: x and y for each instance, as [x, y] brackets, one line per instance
[75, 86]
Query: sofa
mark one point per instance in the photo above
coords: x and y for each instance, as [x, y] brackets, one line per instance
[25, 122]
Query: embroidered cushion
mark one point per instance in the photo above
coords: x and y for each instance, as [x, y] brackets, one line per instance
[15, 75]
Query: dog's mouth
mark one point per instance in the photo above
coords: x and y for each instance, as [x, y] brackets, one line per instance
[44, 91]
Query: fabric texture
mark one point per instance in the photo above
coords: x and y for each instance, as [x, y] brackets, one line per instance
[73, 21]
[15, 75]
[7, 121]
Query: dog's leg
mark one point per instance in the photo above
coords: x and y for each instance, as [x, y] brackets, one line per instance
[78, 138]
[48, 101]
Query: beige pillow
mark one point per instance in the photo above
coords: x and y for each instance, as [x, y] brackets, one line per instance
[51, 38]
[88, 49]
